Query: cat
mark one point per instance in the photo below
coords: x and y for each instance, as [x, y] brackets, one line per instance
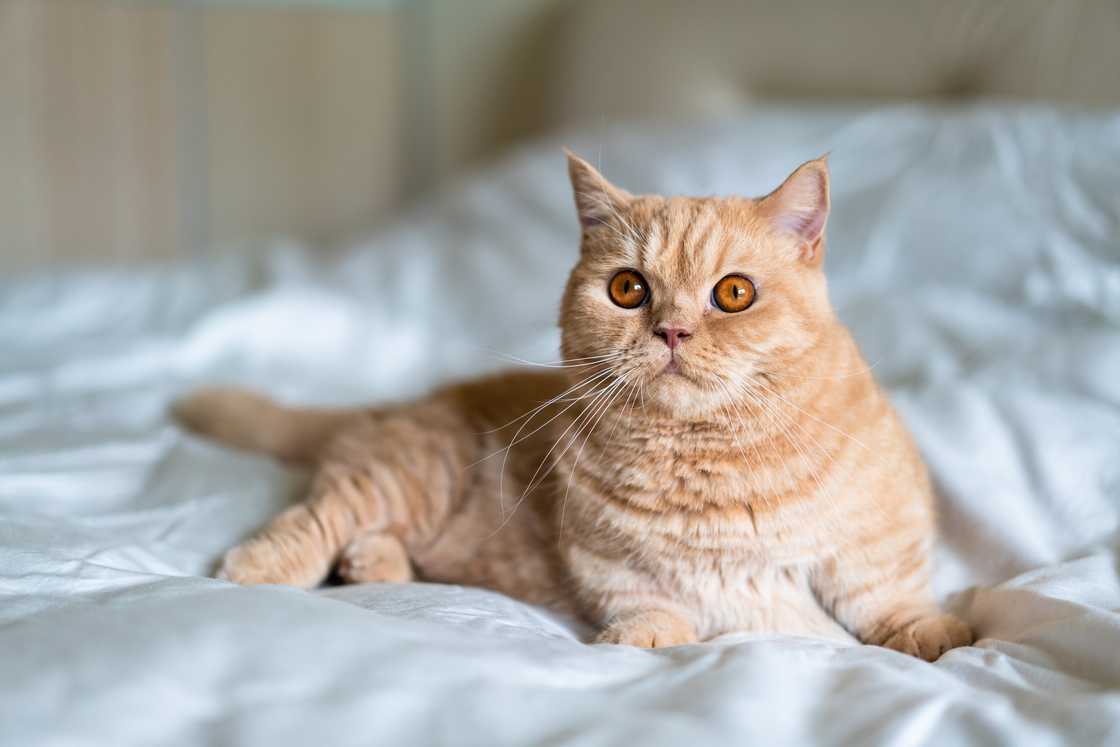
[712, 455]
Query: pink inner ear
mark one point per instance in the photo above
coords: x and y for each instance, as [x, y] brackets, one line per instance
[802, 207]
[807, 226]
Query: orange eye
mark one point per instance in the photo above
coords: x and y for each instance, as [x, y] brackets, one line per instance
[628, 289]
[734, 293]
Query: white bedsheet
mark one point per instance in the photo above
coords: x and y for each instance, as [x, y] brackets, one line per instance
[976, 255]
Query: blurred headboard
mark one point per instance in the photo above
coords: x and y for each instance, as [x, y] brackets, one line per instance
[640, 58]
[132, 129]
[141, 129]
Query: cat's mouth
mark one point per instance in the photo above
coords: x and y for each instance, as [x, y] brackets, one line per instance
[674, 369]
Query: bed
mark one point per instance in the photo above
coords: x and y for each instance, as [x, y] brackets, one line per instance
[973, 250]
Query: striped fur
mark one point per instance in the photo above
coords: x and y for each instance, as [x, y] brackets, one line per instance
[766, 485]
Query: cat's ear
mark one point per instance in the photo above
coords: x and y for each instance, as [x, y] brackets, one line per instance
[596, 198]
[799, 207]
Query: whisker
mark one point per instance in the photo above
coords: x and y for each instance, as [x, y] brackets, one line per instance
[592, 360]
[625, 406]
[770, 476]
[845, 375]
[546, 403]
[590, 432]
[532, 483]
[876, 457]
[517, 435]
[787, 433]
[735, 434]
[582, 419]
[876, 499]
[825, 423]
[515, 441]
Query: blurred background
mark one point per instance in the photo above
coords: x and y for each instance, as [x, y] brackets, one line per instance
[146, 129]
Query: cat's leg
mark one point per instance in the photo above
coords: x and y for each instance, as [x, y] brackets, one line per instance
[268, 559]
[375, 556]
[298, 547]
[399, 475]
[882, 594]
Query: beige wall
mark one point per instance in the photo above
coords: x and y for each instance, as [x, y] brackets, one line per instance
[491, 69]
[304, 121]
[86, 122]
[151, 128]
[137, 130]
[144, 129]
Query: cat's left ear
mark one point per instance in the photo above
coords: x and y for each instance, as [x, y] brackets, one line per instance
[597, 200]
[799, 208]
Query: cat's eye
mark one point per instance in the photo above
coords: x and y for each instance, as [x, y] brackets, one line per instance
[628, 289]
[733, 294]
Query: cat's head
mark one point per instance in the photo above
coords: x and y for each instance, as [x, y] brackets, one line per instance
[688, 298]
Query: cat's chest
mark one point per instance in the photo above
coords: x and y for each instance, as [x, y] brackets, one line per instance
[691, 500]
[698, 504]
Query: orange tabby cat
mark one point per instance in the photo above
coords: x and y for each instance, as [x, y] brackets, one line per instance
[712, 456]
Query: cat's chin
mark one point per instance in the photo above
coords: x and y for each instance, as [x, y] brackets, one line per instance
[677, 393]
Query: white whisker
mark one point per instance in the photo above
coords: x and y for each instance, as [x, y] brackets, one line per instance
[811, 415]
[590, 432]
[532, 483]
[773, 415]
[754, 447]
[588, 361]
[546, 403]
[845, 375]
[516, 440]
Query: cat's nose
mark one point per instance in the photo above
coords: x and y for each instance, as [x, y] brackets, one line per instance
[672, 336]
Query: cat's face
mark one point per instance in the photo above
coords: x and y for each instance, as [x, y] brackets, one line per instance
[689, 298]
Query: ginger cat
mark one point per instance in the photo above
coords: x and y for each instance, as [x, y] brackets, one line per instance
[713, 455]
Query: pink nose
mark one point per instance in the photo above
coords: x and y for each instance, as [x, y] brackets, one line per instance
[672, 336]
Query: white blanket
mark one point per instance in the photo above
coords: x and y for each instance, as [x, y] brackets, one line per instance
[975, 254]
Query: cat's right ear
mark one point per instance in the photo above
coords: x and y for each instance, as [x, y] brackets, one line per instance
[597, 200]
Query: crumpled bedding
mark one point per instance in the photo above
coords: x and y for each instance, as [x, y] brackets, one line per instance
[975, 252]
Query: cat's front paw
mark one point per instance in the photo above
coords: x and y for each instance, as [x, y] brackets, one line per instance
[262, 561]
[376, 557]
[650, 629]
[249, 564]
[930, 637]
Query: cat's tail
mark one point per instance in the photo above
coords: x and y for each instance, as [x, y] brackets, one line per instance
[253, 422]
